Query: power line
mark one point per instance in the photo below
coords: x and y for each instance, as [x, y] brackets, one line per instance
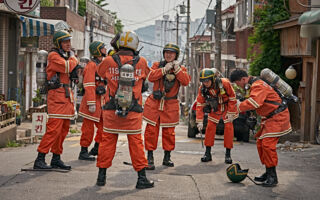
[147, 20]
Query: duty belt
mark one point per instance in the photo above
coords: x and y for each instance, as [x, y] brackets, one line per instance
[168, 98]
[66, 88]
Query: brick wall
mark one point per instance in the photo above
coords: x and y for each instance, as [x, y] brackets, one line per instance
[53, 13]
[75, 21]
[242, 43]
[228, 47]
[45, 42]
[62, 13]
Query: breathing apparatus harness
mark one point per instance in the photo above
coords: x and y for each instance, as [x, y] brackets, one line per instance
[281, 106]
[168, 81]
[113, 104]
[212, 99]
[100, 89]
[54, 82]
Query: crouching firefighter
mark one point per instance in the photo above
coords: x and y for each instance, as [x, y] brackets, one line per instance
[62, 64]
[275, 117]
[162, 107]
[217, 98]
[90, 107]
[125, 72]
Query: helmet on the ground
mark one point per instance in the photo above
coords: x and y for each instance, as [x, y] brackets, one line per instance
[60, 36]
[172, 47]
[236, 174]
[207, 74]
[129, 40]
[95, 48]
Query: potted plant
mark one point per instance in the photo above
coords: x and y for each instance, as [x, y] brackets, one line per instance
[37, 99]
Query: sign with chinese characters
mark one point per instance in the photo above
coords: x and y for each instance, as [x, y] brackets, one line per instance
[39, 121]
[21, 6]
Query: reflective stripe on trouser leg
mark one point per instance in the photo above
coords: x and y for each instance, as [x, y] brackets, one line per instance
[168, 138]
[228, 135]
[87, 130]
[151, 135]
[107, 150]
[54, 128]
[57, 146]
[210, 134]
[138, 158]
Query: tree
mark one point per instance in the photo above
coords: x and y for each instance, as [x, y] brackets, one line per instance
[101, 3]
[47, 3]
[118, 26]
[82, 7]
[267, 39]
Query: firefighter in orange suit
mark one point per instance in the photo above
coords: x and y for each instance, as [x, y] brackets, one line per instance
[125, 73]
[217, 98]
[62, 65]
[90, 108]
[275, 121]
[162, 107]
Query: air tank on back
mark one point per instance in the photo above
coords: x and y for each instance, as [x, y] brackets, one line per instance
[273, 79]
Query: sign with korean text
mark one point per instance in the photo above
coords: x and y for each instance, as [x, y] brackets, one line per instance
[21, 6]
[39, 121]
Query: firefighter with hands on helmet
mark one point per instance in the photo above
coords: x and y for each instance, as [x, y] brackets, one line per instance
[217, 98]
[125, 72]
[162, 107]
[90, 107]
[62, 65]
[275, 120]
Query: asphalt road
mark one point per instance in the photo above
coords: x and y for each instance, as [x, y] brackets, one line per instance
[298, 174]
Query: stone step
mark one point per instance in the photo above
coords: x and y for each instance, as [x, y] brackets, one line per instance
[26, 140]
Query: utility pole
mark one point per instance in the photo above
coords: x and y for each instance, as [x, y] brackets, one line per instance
[187, 55]
[177, 33]
[217, 35]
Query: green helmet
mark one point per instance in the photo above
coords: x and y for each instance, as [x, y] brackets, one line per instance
[60, 36]
[206, 73]
[95, 48]
[172, 47]
[236, 174]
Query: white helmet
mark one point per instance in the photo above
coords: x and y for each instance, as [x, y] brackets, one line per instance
[129, 40]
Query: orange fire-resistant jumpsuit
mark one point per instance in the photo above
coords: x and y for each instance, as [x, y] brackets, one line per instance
[271, 128]
[114, 124]
[226, 105]
[60, 107]
[163, 112]
[91, 81]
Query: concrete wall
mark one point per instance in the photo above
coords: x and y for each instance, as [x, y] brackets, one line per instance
[7, 134]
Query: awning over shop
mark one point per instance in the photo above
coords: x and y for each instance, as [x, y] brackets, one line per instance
[310, 17]
[41, 27]
[35, 27]
[310, 24]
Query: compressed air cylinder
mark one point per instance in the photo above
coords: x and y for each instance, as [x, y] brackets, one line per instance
[41, 67]
[274, 79]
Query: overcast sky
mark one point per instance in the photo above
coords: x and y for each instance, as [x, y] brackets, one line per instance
[139, 13]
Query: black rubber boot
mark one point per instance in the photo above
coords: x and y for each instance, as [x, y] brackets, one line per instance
[272, 179]
[143, 182]
[83, 155]
[94, 150]
[40, 162]
[227, 158]
[166, 159]
[261, 178]
[150, 161]
[101, 180]
[56, 162]
[207, 155]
